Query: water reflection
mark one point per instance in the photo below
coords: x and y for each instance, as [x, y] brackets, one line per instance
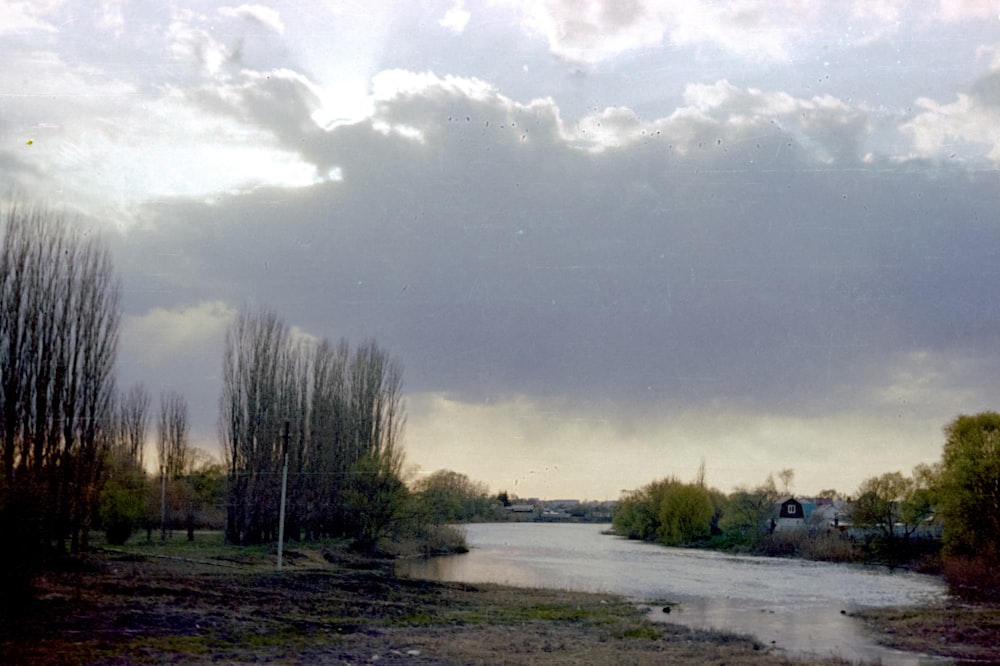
[795, 605]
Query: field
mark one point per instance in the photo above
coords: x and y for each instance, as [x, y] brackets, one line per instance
[208, 603]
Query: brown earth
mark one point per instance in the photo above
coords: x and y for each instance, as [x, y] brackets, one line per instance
[968, 633]
[330, 607]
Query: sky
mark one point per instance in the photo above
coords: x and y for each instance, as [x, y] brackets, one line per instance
[608, 241]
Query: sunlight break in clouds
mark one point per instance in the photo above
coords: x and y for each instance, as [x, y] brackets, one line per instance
[608, 237]
[456, 18]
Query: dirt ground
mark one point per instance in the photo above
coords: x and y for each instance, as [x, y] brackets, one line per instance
[330, 607]
[968, 633]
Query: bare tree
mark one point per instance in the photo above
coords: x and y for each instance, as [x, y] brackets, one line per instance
[133, 423]
[251, 424]
[173, 453]
[172, 439]
[59, 321]
[374, 423]
[326, 454]
[786, 475]
[344, 415]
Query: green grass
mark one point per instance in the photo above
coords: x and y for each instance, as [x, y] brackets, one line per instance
[645, 631]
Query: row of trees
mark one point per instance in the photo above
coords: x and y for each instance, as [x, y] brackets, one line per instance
[333, 413]
[72, 446]
[59, 326]
[961, 494]
[184, 492]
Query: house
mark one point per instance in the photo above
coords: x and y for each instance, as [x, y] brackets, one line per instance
[791, 508]
[791, 514]
[831, 514]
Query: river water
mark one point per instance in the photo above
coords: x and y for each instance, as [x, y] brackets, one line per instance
[795, 605]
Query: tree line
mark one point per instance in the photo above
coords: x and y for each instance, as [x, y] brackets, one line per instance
[59, 324]
[72, 444]
[960, 494]
[332, 413]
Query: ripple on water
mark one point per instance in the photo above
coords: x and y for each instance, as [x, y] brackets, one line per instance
[791, 604]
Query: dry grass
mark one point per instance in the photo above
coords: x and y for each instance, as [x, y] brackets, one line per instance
[966, 632]
[226, 605]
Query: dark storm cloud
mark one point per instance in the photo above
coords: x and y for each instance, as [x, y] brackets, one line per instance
[689, 259]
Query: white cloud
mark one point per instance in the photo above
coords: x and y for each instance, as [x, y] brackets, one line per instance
[264, 16]
[163, 335]
[965, 129]
[456, 18]
[991, 51]
[26, 17]
[109, 17]
[593, 31]
[192, 42]
[759, 30]
[179, 349]
[389, 84]
[963, 10]
[755, 30]
[721, 114]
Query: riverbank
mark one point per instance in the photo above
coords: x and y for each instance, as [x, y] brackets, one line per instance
[182, 604]
[967, 633]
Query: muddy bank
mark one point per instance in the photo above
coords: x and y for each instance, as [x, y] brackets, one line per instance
[329, 606]
[968, 633]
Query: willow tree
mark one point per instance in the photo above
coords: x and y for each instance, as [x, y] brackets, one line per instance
[59, 323]
[969, 497]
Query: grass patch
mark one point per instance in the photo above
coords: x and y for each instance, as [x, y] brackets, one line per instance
[961, 631]
[646, 631]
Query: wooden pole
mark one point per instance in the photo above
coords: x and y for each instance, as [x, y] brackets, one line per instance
[284, 486]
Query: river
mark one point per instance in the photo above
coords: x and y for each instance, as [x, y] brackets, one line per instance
[798, 606]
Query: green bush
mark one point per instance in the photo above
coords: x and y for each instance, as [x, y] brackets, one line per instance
[122, 506]
[668, 511]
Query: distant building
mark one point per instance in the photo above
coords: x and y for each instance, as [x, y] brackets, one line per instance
[522, 511]
[791, 508]
[792, 514]
[829, 513]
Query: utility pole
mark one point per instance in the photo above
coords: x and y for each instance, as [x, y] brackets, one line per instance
[163, 502]
[284, 486]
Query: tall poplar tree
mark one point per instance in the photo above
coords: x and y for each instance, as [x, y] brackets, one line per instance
[344, 416]
[59, 324]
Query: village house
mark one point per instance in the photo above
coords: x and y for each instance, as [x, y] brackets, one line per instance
[814, 514]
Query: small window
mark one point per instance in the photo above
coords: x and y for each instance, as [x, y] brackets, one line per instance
[791, 509]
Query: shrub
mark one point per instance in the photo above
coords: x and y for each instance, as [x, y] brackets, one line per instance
[973, 578]
[830, 548]
[122, 506]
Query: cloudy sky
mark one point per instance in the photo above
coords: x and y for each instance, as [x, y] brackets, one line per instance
[607, 240]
